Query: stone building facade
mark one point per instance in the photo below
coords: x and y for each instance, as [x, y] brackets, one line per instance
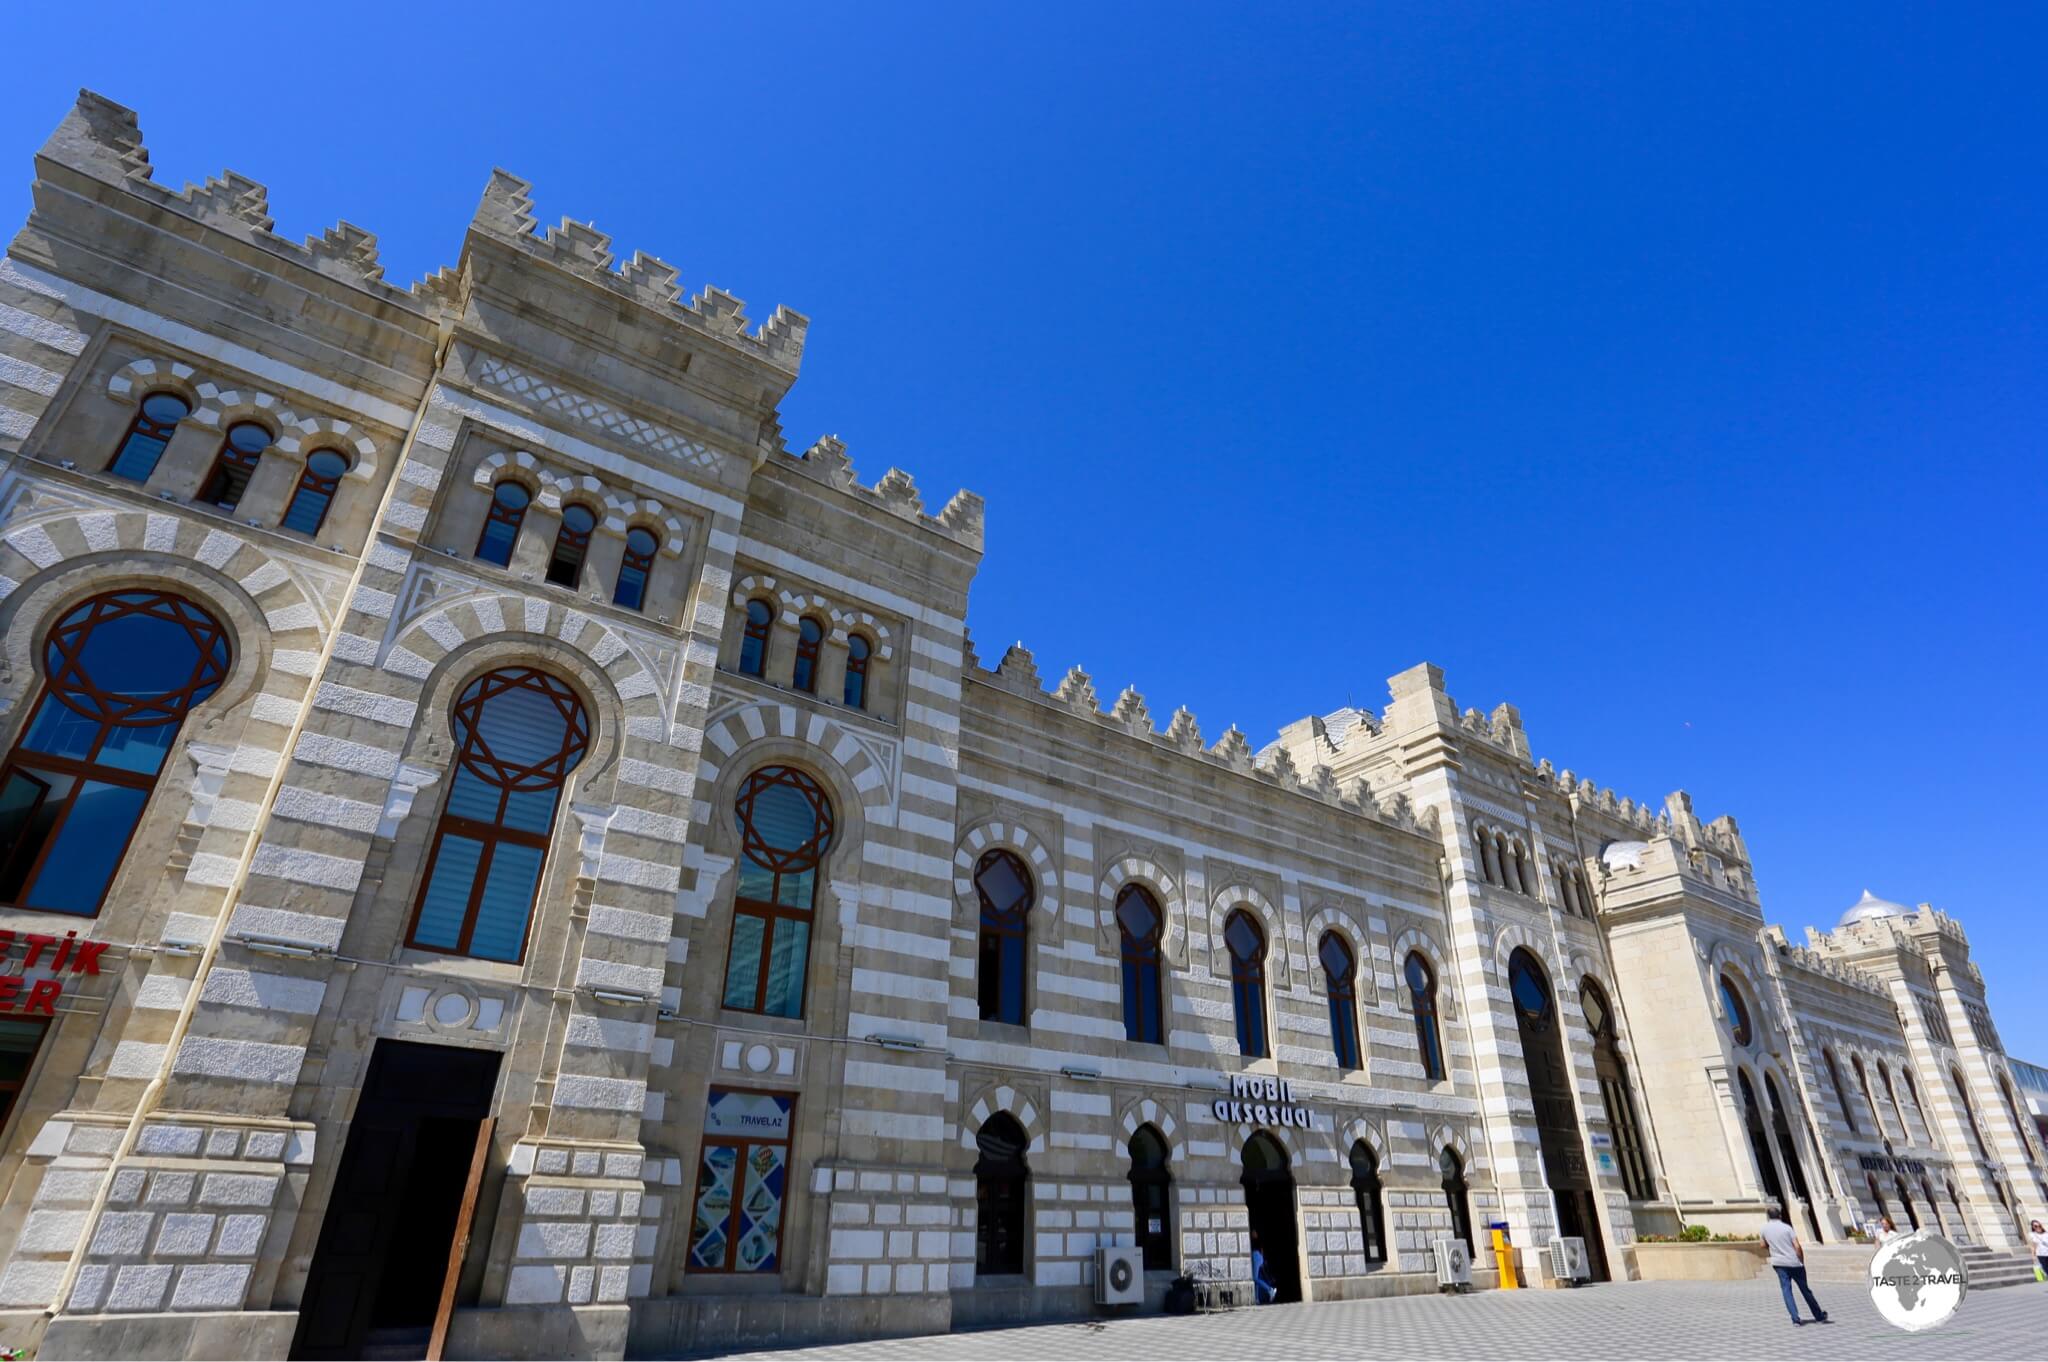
[492, 832]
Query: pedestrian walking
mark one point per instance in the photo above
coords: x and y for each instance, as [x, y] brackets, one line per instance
[1263, 1290]
[1887, 1230]
[1788, 1260]
[2039, 1237]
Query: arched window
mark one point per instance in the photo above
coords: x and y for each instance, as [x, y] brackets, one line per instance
[1869, 1097]
[634, 569]
[1140, 926]
[1737, 1010]
[1247, 945]
[572, 543]
[809, 634]
[1453, 1170]
[144, 441]
[2012, 1111]
[1567, 890]
[315, 492]
[1876, 1195]
[754, 643]
[1969, 1113]
[1841, 1093]
[501, 523]
[1001, 1179]
[1365, 1191]
[1906, 1201]
[236, 463]
[1913, 1095]
[1891, 1095]
[120, 672]
[1612, 1072]
[1525, 882]
[1422, 1000]
[518, 732]
[1340, 973]
[1152, 1198]
[785, 824]
[1489, 857]
[1004, 888]
[855, 692]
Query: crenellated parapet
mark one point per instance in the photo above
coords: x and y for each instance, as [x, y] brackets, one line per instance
[961, 519]
[1017, 672]
[506, 214]
[103, 141]
[1817, 963]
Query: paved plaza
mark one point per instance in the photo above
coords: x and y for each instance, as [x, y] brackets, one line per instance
[1636, 1319]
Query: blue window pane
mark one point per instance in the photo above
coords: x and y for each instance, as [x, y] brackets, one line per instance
[496, 544]
[783, 818]
[138, 456]
[138, 749]
[74, 877]
[743, 967]
[307, 510]
[756, 881]
[787, 954]
[796, 888]
[59, 730]
[522, 726]
[856, 690]
[470, 797]
[1012, 1008]
[447, 897]
[508, 897]
[531, 810]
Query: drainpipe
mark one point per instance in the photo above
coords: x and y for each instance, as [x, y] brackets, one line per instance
[153, 1094]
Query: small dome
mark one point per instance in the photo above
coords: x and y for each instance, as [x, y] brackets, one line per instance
[1624, 855]
[1871, 906]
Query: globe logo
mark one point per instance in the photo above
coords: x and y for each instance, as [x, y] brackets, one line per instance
[1917, 1281]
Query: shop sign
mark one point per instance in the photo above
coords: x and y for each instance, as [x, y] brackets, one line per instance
[755, 1115]
[1891, 1163]
[1262, 1101]
[64, 954]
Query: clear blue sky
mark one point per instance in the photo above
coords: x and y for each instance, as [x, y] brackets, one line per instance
[1675, 373]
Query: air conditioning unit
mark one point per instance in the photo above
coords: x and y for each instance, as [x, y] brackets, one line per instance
[1453, 1264]
[1120, 1276]
[1568, 1261]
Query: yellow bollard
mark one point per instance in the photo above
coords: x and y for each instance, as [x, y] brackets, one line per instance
[1504, 1257]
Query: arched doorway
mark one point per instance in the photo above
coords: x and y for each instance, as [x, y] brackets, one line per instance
[1781, 1128]
[1906, 1200]
[1269, 1198]
[1759, 1143]
[1557, 1115]
[1001, 1197]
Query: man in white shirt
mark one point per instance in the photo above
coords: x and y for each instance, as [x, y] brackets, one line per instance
[1788, 1259]
[2039, 1237]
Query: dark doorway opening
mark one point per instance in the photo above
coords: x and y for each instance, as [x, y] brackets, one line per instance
[1557, 1114]
[1269, 1197]
[383, 1263]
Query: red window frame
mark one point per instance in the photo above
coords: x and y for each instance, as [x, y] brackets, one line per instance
[511, 517]
[67, 683]
[742, 1143]
[858, 653]
[572, 546]
[636, 569]
[312, 483]
[755, 637]
[810, 637]
[146, 427]
[230, 461]
[551, 772]
[778, 861]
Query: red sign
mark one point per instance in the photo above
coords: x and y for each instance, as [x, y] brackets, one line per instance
[83, 957]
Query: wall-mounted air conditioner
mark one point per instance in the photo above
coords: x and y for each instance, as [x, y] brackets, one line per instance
[1120, 1276]
[1568, 1261]
[1453, 1264]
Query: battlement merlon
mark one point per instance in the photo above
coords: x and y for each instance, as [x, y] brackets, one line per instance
[506, 214]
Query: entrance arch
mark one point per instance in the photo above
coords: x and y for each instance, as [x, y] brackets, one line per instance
[1557, 1115]
[1268, 1184]
[1781, 1129]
